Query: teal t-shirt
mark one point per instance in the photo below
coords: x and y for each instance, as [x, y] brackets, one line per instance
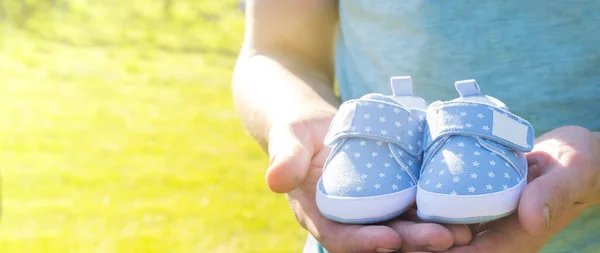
[542, 58]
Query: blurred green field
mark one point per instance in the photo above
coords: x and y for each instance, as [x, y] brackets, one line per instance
[118, 132]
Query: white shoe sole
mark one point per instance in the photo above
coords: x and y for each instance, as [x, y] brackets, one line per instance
[363, 210]
[468, 209]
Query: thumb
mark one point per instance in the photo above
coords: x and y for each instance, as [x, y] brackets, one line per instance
[290, 158]
[548, 196]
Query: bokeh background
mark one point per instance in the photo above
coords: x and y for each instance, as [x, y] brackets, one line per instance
[118, 133]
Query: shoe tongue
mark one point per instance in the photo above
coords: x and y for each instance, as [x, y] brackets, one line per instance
[469, 92]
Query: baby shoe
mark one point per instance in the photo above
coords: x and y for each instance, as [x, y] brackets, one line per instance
[372, 170]
[474, 166]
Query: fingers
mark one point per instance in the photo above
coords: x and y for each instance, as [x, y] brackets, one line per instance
[423, 236]
[290, 159]
[546, 197]
[502, 236]
[336, 237]
[366, 239]
[461, 234]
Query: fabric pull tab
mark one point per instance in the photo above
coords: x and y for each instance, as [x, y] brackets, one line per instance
[401, 85]
[467, 88]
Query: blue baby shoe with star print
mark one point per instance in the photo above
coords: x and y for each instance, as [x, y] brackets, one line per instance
[372, 170]
[474, 167]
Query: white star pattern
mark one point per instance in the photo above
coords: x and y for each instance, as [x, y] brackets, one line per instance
[439, 186]
[474, 176]
[476, 153]
[486, 128]
[430, 170]
[472, 189]
[455, 179]
[461, 144]
[463, 114]
[475, 164]
[453, 193]
[489, 187]
[468, 125]
[506, 164]
[506, 175]
[378, 169]
[493, 163]
[441, 173]
[491, 174]
[480, 115]
[504, 187]
[427, 182]
[443, 161]
[460, 155]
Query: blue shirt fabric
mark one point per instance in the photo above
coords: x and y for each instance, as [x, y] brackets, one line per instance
[542, 58]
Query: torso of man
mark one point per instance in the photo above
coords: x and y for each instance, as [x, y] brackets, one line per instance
[542, 58]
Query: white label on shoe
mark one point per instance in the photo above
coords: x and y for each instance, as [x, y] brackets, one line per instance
[509, 129]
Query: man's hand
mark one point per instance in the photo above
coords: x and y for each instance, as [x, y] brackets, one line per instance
[564, 175]
[297, 157]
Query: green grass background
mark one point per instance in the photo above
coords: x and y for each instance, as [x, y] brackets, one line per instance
[118, 133]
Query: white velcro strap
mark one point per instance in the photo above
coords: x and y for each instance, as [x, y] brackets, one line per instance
[476, 119]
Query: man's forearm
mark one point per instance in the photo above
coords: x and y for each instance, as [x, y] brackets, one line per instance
[273, 88]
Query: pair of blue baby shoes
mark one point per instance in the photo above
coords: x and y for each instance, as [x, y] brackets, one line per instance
[462, 161]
